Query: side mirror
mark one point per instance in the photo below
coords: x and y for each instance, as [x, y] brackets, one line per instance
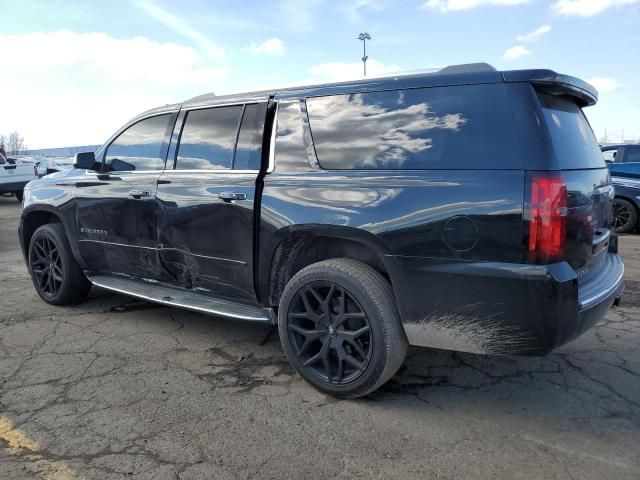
[85, 160]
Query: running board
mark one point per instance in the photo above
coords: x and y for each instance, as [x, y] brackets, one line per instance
[181, 298]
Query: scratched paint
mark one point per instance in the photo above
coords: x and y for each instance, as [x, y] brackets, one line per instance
[468, 333]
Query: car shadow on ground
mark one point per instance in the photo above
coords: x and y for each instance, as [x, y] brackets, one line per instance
[588, 378]
[9, 202]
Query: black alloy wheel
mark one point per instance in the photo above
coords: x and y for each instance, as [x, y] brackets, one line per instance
[56, 275]
[46, 266]
[340, 327]
[625, 216]
[330, 332]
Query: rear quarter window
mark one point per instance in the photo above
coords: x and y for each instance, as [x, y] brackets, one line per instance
[460, 127]
[631, 155]
[573, 140]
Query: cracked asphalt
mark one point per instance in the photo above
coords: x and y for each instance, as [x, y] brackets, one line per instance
[117, 389]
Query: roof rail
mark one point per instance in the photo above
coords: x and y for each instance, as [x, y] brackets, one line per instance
[468, 68]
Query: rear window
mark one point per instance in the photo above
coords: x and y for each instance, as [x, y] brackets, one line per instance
[462, 127]
[573, 140]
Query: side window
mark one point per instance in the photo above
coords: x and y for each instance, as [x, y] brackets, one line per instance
[631, 155]
[208, 138]
[609, 156]
[290, 148]
[425, 128]
[249, 147]
[139, 147]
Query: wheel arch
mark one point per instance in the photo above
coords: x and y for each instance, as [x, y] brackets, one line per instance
[34, 216]
[298, 247]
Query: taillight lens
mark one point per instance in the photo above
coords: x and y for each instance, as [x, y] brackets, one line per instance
[548, 218]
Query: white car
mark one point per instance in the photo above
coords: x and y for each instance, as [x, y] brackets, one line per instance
[14, 175]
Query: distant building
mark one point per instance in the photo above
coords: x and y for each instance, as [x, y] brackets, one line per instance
[60, 152]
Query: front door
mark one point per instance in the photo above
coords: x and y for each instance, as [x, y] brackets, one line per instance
[206, 219]
[116, 209]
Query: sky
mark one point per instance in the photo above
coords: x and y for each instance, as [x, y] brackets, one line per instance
[72, 72]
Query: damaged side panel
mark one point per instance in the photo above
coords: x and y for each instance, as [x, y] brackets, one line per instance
[481, 307]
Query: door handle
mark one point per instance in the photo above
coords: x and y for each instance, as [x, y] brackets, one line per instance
[231, 196]
[139, 194]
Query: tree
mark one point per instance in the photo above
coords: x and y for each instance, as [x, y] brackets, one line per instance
[15, 143]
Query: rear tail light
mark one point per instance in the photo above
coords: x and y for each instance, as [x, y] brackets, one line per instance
[547, 218]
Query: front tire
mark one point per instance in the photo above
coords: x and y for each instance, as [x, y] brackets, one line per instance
[19, 195]
[625, 215]
[56, 275]
[340, 327]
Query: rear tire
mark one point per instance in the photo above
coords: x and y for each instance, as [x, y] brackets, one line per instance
[625, 215]
[56, 275]
[19, 195]
[340, 327]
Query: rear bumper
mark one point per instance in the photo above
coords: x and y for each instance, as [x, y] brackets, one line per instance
[499, 308]
[597, 297]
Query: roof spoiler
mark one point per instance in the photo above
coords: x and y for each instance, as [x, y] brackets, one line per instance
[554, 83]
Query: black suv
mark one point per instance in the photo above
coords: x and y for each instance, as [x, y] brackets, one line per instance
[467, 209]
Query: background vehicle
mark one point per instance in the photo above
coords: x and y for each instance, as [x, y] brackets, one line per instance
[626, 204]
[47, 166]
[623, 162]
[356, 215]
[14, 175]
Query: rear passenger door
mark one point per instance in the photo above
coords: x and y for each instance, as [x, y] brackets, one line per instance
[206, 202]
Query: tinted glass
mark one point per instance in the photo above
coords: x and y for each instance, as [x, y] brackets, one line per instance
[573, 140]
[631, 154]
[427, 128]
[208, 137]
[290, 148]
[249, 148]
[140, 147]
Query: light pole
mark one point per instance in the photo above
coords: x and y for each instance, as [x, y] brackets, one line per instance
[364, 37]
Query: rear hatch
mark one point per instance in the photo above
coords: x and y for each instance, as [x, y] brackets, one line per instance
[569, 205]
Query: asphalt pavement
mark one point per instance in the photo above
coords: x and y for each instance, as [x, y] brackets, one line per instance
[115, 388]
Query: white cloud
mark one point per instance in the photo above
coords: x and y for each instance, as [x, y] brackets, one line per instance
[535, 35]
[587, 8]
[604, 84]
[456, 5]
[122, 59]
[351, 70]
[516, 52]
[69, 88]
[178, 25]
[297, 16]
[352, 9]
[272, 46]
